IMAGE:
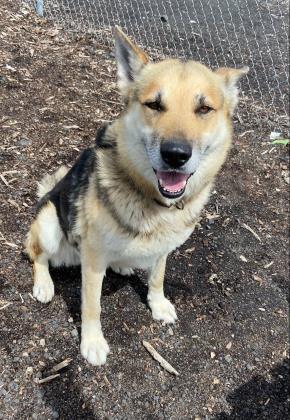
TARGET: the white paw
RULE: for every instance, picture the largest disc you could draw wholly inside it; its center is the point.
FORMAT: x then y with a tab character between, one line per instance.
124	271
95	351
162	310
43	290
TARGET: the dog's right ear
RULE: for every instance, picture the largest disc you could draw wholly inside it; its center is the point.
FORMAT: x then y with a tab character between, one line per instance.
130	60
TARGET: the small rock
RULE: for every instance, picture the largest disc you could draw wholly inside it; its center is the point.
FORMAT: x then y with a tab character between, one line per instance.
164	18
228	358
275	135
75	333
25	142
42	342
29	372
170	331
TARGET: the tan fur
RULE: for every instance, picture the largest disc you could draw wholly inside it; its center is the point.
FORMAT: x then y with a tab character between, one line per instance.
32	245
122	221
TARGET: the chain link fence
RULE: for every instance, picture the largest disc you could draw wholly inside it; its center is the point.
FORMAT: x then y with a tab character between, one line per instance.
215	32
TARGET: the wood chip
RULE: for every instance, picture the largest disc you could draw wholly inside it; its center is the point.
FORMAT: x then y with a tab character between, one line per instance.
252	232
229	345
72	127
189	250
269	264
61	365
159	358
47	379
258	279
12	245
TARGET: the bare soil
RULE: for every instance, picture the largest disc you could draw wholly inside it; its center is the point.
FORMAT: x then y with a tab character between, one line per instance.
229	286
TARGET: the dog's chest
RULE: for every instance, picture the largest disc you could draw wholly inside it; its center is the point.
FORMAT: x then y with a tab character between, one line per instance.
140	251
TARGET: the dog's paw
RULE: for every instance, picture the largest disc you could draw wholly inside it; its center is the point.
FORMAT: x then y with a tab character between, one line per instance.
43	290
95	351
162	310
124	271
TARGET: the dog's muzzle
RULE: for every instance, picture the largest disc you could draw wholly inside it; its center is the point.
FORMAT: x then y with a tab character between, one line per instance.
172	182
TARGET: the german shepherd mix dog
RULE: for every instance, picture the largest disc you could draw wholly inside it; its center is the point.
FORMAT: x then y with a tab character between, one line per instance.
135	196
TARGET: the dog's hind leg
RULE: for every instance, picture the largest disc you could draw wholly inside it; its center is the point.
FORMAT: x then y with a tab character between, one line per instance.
43	241
162	309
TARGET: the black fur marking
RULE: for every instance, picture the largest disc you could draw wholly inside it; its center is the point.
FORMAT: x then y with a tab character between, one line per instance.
67	191
104	141
104	196
124	56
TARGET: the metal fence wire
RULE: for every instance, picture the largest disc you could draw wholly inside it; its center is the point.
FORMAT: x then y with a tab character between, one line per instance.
215	32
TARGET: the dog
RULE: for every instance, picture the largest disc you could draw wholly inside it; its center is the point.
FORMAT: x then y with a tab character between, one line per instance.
136	194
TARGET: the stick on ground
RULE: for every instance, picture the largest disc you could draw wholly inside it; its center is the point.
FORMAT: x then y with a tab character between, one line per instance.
61	365
47	379
252	232
159	358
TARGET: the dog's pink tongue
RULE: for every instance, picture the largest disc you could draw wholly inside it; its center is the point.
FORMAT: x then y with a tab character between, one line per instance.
172	181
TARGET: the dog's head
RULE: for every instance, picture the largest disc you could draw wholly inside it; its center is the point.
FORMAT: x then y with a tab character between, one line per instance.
177	126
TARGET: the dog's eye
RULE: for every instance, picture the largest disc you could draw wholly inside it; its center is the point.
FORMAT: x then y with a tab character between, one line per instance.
204	109
155	105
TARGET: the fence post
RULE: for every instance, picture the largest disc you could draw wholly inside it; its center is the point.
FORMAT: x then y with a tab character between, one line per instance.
39	7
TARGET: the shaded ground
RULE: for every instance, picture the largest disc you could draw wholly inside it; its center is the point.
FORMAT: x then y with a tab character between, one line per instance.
229	288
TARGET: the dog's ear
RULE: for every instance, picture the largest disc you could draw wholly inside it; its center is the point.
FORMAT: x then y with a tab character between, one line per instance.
130	60
231	77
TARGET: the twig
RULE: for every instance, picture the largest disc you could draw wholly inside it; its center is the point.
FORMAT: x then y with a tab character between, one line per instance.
246	132
5	306
47	379
12	245
159	358
4	180
269	264
107	381
251	230
61	365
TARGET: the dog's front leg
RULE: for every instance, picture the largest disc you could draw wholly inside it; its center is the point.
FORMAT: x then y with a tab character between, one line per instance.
162	309
94	347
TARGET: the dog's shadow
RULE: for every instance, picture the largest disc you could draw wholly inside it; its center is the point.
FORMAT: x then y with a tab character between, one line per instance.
67	283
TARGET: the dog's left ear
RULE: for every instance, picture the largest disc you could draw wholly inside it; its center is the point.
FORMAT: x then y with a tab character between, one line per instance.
130	60
231	77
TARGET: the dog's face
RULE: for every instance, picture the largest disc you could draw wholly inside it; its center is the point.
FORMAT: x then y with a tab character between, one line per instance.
177	121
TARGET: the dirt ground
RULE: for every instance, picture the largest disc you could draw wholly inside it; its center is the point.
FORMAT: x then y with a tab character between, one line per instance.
229	283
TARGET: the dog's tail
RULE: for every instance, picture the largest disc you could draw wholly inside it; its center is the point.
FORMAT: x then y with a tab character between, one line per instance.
49	181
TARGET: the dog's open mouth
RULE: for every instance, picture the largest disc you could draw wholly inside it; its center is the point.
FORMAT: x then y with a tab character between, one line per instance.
172	184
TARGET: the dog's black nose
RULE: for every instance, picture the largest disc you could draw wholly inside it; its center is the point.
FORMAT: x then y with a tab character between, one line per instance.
174	153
